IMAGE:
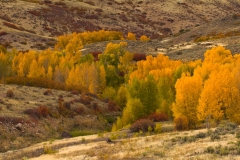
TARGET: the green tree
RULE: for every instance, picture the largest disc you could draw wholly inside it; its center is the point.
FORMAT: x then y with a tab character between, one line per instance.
145	90
121	97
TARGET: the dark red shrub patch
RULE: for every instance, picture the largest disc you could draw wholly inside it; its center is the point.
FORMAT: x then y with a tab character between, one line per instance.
2	33
10	25
85	99
47	92
35	13
43	110
95	55
79	110
37	113
157	117
9	93
96	108
142	125
36	82
13	120
112	106
139	57
75	92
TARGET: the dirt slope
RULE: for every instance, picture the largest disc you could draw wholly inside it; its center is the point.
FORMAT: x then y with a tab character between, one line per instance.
32	116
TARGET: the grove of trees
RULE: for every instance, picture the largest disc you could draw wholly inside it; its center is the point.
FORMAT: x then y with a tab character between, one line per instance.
200	91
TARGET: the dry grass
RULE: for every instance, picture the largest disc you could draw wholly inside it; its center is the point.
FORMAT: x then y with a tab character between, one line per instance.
159	146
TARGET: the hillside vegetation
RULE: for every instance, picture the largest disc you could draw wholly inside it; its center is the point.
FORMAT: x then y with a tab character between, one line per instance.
145	88
124	70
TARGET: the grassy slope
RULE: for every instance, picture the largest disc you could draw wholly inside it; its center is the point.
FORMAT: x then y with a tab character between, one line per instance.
196	144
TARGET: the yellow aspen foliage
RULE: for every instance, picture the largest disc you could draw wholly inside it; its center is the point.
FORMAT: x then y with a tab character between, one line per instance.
20	70
49	73
88	37
24	62
58	76
157	66
102	78
166	94
213	60
62	42
93	86
144	38
118	125
74	45
131	36
220	95
121	97
218	55
4	65
109	93
112	53
84	76
126	63
15	62
35	70
188	91
3	57
233	109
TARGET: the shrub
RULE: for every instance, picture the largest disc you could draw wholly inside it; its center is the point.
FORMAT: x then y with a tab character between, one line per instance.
43	110
48	150
144	38
157	117
210	149
201	135
215	136
139	57
181	123
13	120
158	128
36	82
84	99
96	108
2	33
79	110
142	125
238	134
9	93
64	108
37	113
112	106
74	92
47	92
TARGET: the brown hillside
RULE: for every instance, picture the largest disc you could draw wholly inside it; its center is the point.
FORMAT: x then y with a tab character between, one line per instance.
25	25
